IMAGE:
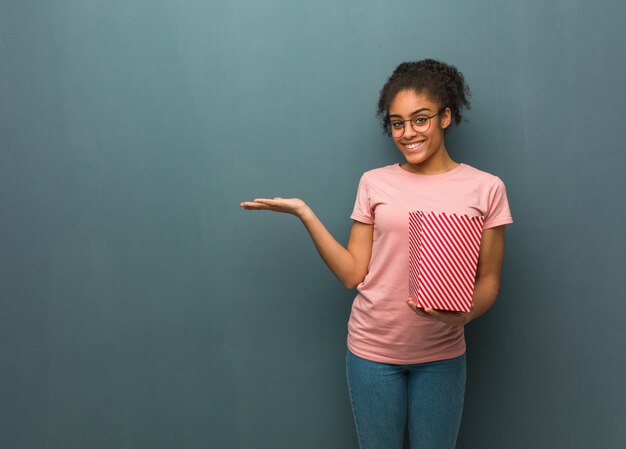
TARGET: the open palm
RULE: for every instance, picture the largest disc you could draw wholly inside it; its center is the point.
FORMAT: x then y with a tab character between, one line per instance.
294	206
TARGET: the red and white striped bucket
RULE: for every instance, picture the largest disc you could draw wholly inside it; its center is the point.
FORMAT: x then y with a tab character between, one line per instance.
443	258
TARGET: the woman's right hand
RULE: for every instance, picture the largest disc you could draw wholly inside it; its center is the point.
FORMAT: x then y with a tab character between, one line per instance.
293	206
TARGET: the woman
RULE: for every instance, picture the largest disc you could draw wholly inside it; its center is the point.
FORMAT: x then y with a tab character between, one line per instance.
404	363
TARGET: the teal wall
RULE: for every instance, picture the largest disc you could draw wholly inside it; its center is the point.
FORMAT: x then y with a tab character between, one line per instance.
140	307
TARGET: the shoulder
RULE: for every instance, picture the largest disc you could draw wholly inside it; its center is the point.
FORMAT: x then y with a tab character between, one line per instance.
387	169
474	172
482	177
379	173
493	198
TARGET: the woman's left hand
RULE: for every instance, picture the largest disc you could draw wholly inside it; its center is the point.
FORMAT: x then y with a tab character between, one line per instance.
451	318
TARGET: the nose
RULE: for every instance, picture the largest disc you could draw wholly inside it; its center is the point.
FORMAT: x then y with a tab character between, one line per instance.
408	130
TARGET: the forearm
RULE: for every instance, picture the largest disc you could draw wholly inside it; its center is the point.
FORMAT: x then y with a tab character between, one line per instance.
485	294
337	258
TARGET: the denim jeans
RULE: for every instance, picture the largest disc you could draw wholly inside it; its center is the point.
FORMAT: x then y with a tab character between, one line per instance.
385	396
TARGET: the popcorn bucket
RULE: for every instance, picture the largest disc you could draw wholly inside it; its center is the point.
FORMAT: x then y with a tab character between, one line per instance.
443	259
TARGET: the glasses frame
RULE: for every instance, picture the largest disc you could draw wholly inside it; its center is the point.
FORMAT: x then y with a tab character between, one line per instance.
391	128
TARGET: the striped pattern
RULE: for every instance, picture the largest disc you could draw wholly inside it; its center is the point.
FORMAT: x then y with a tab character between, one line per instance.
443	258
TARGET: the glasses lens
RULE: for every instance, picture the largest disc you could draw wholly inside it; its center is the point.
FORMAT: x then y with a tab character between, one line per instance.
395	131
420	124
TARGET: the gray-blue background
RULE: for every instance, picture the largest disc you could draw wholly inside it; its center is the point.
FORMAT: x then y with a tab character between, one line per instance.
140	307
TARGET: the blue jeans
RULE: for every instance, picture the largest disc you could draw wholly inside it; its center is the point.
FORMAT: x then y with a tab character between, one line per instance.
384	396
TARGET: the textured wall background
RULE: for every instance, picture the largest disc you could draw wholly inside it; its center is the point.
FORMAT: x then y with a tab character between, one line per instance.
140	307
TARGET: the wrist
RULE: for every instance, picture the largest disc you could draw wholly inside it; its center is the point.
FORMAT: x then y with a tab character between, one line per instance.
469	316
304	213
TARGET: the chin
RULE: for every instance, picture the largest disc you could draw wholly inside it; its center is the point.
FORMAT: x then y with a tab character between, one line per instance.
416	158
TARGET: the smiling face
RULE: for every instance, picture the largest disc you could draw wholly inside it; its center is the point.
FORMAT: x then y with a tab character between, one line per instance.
424	151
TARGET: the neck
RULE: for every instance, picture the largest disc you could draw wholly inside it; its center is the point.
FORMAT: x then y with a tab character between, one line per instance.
433	165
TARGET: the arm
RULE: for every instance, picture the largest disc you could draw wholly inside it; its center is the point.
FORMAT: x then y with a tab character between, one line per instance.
349	264
487	282
489	267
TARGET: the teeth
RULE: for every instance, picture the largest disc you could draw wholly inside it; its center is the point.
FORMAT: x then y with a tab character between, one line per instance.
413	146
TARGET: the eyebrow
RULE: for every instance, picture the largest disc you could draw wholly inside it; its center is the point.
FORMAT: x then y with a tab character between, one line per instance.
411	114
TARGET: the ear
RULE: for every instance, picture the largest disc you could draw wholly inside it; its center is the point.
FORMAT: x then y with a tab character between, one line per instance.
446	117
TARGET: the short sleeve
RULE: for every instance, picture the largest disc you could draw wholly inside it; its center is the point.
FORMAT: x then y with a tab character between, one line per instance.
362	210
498	212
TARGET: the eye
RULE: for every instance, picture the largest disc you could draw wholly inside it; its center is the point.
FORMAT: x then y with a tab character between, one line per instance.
397	124
420	120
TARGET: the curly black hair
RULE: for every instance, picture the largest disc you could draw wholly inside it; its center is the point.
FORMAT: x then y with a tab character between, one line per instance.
439	81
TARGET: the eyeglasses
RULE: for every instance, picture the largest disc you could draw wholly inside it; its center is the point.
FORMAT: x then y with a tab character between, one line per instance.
419	123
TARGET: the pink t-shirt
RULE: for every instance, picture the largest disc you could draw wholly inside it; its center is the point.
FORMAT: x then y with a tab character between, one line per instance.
382	328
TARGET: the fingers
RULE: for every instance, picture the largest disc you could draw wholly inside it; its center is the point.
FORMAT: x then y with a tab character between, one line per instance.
272	201
434	313
412	305
446	316
253	205
277	204
268	201
449	317
258	204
